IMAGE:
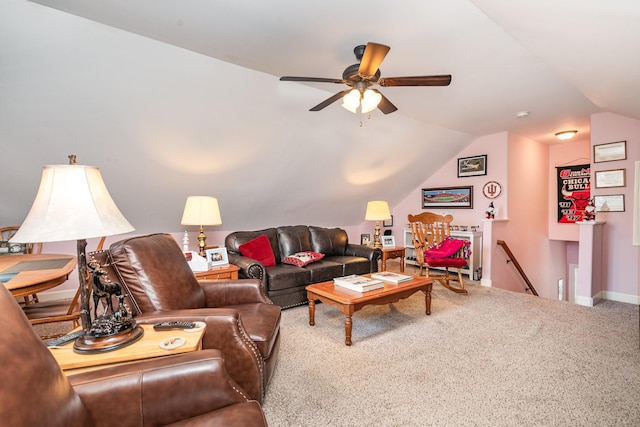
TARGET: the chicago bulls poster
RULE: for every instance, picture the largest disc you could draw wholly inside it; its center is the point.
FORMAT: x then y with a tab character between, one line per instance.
574	192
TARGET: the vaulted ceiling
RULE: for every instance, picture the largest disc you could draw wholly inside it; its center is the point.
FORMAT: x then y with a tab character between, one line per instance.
174	98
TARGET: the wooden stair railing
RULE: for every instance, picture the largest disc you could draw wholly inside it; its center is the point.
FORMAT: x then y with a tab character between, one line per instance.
516	264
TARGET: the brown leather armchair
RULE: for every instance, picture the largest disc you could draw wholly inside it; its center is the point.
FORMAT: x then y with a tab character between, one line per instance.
190	389
241	320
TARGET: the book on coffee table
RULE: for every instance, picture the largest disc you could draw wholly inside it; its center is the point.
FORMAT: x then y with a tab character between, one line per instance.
358	283
388	276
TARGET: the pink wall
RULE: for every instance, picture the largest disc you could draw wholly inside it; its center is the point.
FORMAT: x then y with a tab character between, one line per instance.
621	258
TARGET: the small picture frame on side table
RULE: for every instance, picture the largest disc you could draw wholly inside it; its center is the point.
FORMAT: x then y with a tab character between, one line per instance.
388	241
365	239
217	257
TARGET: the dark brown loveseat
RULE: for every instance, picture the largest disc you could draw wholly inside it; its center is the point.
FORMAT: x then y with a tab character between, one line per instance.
284	283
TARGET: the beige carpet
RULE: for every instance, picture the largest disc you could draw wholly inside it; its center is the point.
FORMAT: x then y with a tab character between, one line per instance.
489	358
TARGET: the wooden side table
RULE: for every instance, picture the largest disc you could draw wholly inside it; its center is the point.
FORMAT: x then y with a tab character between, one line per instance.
229	272
147	347
390	253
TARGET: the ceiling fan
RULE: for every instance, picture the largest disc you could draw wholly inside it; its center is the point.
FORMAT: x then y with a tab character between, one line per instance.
360	77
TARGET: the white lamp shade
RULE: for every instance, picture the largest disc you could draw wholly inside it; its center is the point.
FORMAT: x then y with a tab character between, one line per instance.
370	100
377	210
201	210
72	204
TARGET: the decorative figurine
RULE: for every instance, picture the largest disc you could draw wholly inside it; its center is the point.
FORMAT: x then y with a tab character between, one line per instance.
589	211
491	211
185	242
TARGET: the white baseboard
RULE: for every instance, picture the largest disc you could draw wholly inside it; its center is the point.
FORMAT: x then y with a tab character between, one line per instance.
485	282
616	296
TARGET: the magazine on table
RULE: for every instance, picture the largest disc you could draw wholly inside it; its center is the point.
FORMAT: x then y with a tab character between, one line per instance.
388	276
358	283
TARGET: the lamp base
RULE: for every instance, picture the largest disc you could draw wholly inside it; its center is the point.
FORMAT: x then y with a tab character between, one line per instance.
88	344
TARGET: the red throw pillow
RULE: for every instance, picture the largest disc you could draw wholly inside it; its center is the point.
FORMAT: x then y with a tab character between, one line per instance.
301	259
445	249
259	249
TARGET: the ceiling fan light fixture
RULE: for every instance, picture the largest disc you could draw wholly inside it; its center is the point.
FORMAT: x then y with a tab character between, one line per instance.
370	100
566	134
351	101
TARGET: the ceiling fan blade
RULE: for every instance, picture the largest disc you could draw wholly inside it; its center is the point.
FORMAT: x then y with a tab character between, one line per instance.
385	105
443	80
330	101
309	79
373	56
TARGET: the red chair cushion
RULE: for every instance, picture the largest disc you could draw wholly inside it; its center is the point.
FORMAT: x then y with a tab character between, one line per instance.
446	262
259	249
445	249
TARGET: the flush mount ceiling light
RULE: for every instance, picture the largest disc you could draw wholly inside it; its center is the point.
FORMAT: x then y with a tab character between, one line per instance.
522	114
566	134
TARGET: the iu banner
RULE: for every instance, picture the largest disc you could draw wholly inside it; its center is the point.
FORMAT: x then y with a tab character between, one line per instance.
574	191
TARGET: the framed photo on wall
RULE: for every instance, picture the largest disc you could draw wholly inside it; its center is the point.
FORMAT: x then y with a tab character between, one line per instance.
610	178
388	222
472	166
610	152
447	197
365	239
610	203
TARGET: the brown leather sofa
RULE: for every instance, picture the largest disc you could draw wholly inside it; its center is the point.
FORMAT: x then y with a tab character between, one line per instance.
191	389
285	284
241	320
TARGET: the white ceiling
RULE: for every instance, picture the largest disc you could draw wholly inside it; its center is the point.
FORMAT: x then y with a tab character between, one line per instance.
174	98
561	61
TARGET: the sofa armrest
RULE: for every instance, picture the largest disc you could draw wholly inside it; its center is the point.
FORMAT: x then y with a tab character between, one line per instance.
249	268
220	293
159	391
372	254
224	331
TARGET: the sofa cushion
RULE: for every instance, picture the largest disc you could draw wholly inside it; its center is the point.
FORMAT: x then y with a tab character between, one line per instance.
260	250
300	259
328	241
324	270
351	264
233	241
294	239
285	276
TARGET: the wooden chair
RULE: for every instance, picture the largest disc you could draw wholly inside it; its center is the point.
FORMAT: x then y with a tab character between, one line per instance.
7	233
431	237
57	311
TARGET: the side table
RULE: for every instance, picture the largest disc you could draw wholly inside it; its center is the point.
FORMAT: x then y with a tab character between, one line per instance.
390	253
147	347
227	272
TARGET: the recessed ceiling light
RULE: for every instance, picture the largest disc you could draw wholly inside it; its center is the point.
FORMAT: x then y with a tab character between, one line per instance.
522	114
566	134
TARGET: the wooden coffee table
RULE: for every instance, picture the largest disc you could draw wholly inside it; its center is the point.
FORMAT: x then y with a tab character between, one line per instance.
349	301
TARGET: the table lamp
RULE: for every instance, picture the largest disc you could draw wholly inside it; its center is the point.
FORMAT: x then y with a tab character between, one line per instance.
377	211
73	203
201	210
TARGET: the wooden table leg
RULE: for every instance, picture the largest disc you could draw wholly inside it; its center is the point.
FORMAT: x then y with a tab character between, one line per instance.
427	301
347	328
312	312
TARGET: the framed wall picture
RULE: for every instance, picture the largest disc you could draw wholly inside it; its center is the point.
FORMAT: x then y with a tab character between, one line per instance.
388	241
365	239
610	178
472	166
388	222
610	152
447	197
217	257
609	203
